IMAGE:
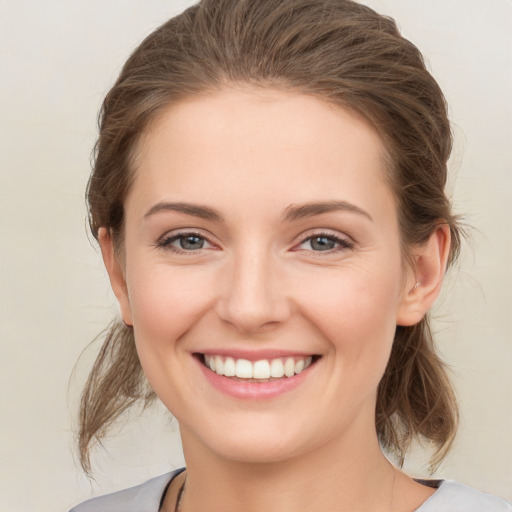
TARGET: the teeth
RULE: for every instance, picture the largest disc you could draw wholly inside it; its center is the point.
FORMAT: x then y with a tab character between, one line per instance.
289	367
263	369
276	368
229	367
219	365
243	369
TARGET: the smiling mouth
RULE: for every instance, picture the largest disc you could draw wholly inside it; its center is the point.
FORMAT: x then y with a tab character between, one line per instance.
264	370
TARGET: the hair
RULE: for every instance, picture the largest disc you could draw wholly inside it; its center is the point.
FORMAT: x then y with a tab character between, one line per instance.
341	52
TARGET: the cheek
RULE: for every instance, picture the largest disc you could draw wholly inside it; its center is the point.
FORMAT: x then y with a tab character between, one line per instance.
166	304
166	301
355	310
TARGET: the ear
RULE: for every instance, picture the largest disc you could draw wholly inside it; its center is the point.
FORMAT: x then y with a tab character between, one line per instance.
424	277
116	274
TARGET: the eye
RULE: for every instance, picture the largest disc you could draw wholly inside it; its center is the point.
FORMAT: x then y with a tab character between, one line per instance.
324	243
184	242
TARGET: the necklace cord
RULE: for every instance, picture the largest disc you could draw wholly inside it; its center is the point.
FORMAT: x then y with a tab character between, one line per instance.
179	499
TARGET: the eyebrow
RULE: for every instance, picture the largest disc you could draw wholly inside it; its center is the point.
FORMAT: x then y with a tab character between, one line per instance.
294	212
203	212
291	213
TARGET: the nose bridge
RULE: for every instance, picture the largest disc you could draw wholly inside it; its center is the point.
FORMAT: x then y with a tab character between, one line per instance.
253	297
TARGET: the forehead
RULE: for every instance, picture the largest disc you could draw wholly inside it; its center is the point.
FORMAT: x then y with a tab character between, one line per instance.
259	142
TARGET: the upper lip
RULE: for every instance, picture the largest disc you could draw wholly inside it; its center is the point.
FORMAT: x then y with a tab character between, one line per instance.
254	355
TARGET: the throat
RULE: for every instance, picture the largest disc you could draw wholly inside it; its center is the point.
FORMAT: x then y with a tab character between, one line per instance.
288	486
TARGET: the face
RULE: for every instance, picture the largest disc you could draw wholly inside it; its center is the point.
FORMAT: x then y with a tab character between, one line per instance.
261	238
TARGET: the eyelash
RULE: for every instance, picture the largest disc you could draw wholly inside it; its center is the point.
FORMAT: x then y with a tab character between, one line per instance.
343	243
166	242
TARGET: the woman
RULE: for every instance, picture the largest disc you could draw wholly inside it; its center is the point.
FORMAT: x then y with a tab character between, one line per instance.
268	195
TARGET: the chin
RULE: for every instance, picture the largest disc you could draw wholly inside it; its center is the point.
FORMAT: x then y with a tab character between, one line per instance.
258	442
264	451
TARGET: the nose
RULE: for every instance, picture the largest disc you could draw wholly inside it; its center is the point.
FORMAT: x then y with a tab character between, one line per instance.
253	297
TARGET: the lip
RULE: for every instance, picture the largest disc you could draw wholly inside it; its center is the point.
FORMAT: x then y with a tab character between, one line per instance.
253	390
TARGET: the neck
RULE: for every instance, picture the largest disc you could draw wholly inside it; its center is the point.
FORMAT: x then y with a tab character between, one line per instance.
335	476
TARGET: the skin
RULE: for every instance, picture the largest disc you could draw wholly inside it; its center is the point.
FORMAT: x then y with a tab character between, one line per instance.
260	282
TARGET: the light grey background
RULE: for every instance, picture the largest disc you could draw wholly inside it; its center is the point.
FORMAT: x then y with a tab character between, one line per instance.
57	60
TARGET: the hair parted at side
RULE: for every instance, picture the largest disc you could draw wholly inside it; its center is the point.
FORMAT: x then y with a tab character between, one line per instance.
339	51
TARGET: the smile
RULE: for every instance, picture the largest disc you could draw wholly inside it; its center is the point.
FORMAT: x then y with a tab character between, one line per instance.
261	370
250	375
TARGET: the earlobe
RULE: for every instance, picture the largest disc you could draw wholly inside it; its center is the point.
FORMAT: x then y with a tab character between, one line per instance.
115	273
425	277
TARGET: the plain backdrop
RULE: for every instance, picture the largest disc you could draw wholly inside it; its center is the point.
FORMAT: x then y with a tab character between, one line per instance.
58	58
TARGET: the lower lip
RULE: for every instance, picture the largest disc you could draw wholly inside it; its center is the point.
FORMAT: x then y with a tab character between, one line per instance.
253	390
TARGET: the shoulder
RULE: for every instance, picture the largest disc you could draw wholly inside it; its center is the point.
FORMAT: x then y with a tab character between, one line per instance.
454	497
141	498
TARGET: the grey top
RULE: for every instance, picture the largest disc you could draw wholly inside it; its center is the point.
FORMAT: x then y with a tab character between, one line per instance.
449	497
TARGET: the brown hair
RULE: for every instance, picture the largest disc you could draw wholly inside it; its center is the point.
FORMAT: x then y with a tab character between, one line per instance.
342	52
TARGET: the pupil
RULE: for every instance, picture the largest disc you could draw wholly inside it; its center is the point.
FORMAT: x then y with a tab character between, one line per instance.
322	243
191	242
